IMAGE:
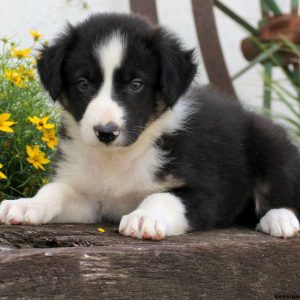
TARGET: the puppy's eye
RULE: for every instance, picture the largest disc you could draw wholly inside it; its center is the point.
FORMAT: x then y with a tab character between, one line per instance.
136	85
83	84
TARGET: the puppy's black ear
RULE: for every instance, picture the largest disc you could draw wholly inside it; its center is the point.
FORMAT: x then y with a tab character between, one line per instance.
50	64
177	67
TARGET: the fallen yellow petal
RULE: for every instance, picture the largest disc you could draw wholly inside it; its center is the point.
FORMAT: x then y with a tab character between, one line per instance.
101	230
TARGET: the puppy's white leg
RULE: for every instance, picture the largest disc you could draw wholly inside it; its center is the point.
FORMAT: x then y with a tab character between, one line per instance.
159	215
279	222
55	202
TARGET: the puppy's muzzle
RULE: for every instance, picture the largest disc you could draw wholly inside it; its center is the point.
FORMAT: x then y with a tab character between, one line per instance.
107	133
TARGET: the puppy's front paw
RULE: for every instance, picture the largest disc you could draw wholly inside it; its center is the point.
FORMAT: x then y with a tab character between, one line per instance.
280	222
143	225
22	211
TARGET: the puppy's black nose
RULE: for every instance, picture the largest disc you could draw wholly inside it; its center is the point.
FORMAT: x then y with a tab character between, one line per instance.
107	133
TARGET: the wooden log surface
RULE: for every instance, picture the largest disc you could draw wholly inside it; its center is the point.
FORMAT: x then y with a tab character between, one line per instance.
77	262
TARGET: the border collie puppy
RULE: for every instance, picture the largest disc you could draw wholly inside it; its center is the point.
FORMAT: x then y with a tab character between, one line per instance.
143	146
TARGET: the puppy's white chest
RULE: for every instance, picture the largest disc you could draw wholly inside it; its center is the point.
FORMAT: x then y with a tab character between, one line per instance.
117	181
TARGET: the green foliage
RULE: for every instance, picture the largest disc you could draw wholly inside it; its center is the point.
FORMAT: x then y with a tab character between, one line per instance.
22	96
288	94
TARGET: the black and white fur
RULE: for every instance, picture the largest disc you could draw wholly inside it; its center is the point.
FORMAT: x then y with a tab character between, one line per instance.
143	146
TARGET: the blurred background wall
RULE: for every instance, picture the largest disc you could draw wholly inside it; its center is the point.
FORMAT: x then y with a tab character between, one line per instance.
49	17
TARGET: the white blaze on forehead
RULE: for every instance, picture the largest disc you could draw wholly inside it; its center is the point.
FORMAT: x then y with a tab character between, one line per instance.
110	57
103	109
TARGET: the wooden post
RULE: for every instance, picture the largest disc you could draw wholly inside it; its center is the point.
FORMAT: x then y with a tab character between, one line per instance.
211	48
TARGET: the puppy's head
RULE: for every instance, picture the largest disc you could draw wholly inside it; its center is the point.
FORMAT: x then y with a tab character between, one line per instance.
115	74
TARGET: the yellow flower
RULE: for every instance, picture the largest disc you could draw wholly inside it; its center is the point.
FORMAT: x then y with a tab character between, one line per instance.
50	138
5	124
14	76
36	157
19	76
2	175
35	34
20	53
41	123
101	230
27	74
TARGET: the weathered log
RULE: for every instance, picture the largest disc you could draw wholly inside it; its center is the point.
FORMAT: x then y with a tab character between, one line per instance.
78	262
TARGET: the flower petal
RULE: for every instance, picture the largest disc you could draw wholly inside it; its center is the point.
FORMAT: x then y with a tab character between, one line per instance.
29	151
45	119
5	116
9	123
41	166
45	161
2	176
49	126
29	159
6	129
